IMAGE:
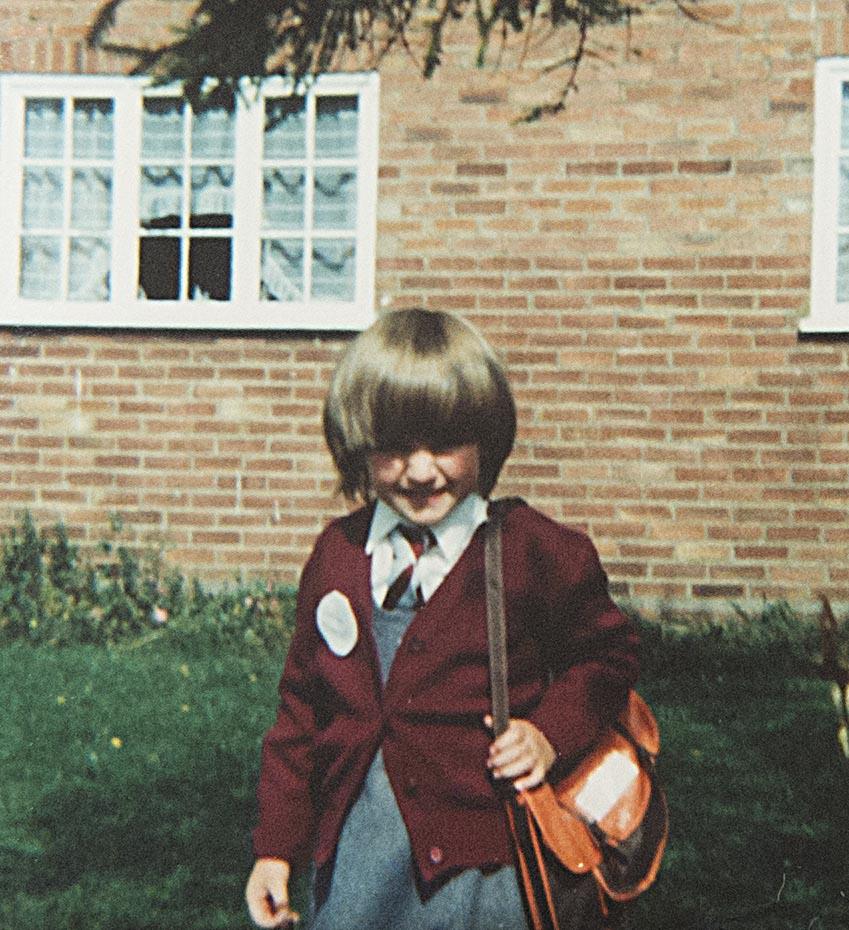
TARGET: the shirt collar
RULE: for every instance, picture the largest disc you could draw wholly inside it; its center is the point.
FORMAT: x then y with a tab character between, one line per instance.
452	533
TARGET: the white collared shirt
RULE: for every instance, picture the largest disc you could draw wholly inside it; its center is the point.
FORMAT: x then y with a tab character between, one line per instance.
453	533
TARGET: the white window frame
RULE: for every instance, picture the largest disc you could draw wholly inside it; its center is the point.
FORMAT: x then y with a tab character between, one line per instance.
245	309
827	314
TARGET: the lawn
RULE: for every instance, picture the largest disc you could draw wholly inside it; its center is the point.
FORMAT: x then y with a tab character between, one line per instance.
126	785
127	779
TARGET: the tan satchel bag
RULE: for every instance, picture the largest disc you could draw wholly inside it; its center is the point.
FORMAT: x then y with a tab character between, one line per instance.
607	816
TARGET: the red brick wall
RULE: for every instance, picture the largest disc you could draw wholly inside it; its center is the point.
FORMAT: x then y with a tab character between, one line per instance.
211	446
641	260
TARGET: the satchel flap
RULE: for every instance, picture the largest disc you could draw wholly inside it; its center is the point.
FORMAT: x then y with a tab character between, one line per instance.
608	788
640	722
562	832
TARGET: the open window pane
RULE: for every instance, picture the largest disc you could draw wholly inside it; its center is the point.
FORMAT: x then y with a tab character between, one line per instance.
159	268
209	268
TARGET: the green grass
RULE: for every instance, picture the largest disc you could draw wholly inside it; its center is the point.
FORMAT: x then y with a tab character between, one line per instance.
756	784
153	831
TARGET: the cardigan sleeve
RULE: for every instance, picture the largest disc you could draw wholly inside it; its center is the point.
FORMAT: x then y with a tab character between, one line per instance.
285	808
590	645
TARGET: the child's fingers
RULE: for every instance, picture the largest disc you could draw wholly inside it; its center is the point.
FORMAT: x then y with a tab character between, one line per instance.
264	911
270	914
521	753
511	754
533	779
282	914
507	748
267	895
522	765
518	737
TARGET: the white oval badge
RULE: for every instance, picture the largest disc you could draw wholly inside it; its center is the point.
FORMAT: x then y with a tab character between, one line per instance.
337	623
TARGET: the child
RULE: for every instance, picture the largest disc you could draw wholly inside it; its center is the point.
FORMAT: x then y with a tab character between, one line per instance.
380	766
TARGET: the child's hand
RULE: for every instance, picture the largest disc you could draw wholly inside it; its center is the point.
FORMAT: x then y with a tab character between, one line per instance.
522	753
267	894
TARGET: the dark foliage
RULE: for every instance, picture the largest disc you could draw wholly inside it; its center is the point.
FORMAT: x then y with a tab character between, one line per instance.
226	41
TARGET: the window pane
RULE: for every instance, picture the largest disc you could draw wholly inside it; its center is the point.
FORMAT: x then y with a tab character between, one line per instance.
212	197
209	268
282	272
159	268
213	133
40	267
283	198
843	201
335	127
44	128
335	204
91	198
43	198
842	268
93	129
162	128
285	128
161	198
88	269
333	269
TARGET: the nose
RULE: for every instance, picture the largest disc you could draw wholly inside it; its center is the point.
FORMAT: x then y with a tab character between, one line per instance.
421	466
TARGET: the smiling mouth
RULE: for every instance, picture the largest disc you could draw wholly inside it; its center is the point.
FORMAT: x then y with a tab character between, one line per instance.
423	497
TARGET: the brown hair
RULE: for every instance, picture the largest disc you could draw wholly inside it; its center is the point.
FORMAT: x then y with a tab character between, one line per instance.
417	376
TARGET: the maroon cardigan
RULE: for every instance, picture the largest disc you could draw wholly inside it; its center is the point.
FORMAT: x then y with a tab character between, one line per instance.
572	658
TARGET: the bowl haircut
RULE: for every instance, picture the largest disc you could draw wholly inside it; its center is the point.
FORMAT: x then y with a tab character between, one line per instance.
417	377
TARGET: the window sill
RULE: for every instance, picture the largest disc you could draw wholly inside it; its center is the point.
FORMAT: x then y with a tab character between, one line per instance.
200	315
825	325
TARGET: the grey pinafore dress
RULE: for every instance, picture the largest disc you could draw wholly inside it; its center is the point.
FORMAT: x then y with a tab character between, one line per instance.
373	885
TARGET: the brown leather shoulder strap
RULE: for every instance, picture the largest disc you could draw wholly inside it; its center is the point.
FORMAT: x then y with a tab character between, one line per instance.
496	622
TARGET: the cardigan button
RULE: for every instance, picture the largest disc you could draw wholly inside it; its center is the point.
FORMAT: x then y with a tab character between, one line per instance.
411	786
417	646
436	855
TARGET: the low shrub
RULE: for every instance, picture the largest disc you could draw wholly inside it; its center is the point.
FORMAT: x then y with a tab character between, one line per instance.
776	641
51	594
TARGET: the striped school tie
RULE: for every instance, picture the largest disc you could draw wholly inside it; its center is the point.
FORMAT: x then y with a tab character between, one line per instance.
419	538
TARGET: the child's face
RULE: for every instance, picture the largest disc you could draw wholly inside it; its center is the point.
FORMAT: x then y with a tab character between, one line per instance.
425	485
